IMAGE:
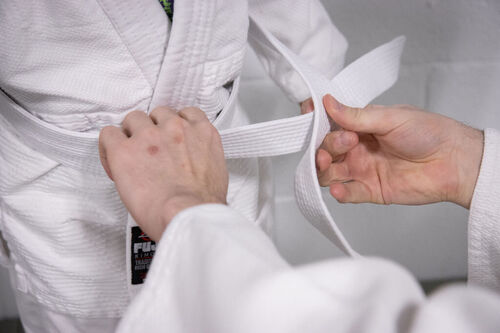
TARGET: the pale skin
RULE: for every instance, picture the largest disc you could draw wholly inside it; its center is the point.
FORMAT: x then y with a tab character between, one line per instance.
164	163
398	155
169	161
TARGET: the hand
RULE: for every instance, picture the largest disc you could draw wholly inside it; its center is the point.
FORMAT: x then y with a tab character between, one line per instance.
164	163
398	154
307	106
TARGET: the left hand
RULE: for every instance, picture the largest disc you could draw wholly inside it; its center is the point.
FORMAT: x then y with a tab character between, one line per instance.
398	154
164	163
307	106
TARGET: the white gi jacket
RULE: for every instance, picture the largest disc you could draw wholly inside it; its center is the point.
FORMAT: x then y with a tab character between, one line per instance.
215	271
83	65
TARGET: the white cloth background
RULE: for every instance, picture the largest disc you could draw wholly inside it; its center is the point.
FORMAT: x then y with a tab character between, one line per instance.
451	65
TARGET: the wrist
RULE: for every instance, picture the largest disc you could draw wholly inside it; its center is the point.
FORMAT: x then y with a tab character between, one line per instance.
469	153
179	203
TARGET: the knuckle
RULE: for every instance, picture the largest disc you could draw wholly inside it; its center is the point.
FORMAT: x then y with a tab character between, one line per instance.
358	113
133	114
333	173
106	131
150	133
192	111
342	171
175	127
175	123
160	109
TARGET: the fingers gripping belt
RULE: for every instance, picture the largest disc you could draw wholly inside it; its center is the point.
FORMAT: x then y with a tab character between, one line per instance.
356	86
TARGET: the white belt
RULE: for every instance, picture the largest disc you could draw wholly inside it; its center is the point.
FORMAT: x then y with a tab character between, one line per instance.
356	86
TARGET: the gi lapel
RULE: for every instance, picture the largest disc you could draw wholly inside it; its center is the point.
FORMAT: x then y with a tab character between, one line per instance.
182	69
143	27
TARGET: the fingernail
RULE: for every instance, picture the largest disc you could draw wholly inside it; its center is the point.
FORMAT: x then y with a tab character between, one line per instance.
338	106
335	104
345	139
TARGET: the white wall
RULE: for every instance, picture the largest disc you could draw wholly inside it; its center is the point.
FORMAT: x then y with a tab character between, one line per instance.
451	65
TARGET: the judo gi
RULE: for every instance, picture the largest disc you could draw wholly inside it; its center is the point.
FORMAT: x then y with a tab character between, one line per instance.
77	67
215	271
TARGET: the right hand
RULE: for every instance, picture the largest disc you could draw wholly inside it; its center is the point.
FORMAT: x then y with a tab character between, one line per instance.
398	154
164	163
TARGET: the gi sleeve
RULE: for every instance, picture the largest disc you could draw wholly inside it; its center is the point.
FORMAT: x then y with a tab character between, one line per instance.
305	27
484	218
214	271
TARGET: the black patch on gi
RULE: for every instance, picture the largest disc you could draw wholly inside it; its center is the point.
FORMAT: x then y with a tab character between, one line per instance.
141	252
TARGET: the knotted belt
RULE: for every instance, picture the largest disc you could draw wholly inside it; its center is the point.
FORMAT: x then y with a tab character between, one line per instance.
356	86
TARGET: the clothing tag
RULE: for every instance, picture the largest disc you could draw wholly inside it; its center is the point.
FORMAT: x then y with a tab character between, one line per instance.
142	250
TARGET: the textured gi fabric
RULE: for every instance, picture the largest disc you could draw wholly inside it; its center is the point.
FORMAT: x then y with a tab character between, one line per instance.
66	63
99	61
80	68
216	272
356	85
484	219
324	50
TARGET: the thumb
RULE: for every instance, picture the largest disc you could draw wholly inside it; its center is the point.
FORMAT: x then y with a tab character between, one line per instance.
371	119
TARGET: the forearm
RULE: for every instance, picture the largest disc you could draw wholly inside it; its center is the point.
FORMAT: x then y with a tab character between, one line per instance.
207	259
214	271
